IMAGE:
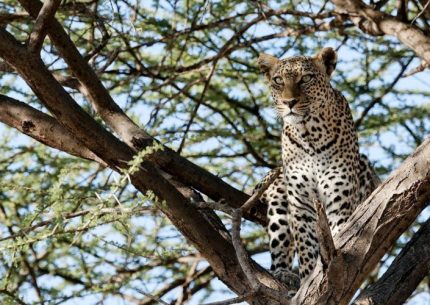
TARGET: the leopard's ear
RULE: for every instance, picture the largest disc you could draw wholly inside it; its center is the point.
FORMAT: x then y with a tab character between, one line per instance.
328	58
267	63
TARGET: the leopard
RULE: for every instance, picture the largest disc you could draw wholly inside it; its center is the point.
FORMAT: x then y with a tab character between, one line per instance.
320	161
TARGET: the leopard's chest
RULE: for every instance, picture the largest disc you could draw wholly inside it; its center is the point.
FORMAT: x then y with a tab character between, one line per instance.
320	140
320	159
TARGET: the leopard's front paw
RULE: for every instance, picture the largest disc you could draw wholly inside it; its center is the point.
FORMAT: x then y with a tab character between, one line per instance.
290	278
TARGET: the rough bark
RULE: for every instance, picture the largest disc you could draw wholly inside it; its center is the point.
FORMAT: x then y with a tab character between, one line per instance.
42	128
208	237
378	23
38	34
132	134
325	238
371	232
409	268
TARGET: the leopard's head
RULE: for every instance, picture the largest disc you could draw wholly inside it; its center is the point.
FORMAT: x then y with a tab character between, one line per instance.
299	85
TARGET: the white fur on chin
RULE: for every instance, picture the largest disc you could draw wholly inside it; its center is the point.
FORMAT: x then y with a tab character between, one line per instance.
292	119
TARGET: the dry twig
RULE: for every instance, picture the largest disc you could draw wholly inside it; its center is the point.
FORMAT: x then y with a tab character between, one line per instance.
254	198
241	254
420	13
99	212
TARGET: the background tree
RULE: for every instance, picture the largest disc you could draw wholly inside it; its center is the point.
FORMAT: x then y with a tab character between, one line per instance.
153	107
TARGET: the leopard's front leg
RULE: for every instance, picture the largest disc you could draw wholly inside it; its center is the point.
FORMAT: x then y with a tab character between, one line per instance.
281	243
301	216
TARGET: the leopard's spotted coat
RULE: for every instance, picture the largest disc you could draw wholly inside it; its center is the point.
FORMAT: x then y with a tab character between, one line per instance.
320	159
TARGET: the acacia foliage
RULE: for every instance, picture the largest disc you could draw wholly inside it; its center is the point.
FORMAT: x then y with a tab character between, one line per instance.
186	71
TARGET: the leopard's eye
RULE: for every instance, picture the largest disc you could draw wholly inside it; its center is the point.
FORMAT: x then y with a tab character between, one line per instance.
306	78
278	80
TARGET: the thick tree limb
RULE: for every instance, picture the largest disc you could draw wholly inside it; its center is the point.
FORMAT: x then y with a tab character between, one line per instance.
42	128
58	102
377	23
208	237
129	132
101	101
372	230
6	18
409	268
4	67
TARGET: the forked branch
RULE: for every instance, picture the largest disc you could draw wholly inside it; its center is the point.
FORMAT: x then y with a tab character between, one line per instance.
38	34
400	280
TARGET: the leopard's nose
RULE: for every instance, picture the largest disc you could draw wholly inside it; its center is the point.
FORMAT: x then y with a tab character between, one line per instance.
290	102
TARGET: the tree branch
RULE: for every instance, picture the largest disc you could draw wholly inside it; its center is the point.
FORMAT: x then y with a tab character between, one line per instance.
409	268
388	89
99	212
129	132
207	236
372	229
236	300
254	198
59	102
101	101
6	18
240	251
327	248
38	33
421	67
377	23
259	289
42	128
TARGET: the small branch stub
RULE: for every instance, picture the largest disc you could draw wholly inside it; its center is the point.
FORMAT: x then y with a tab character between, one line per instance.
254	198
421	67
325	238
